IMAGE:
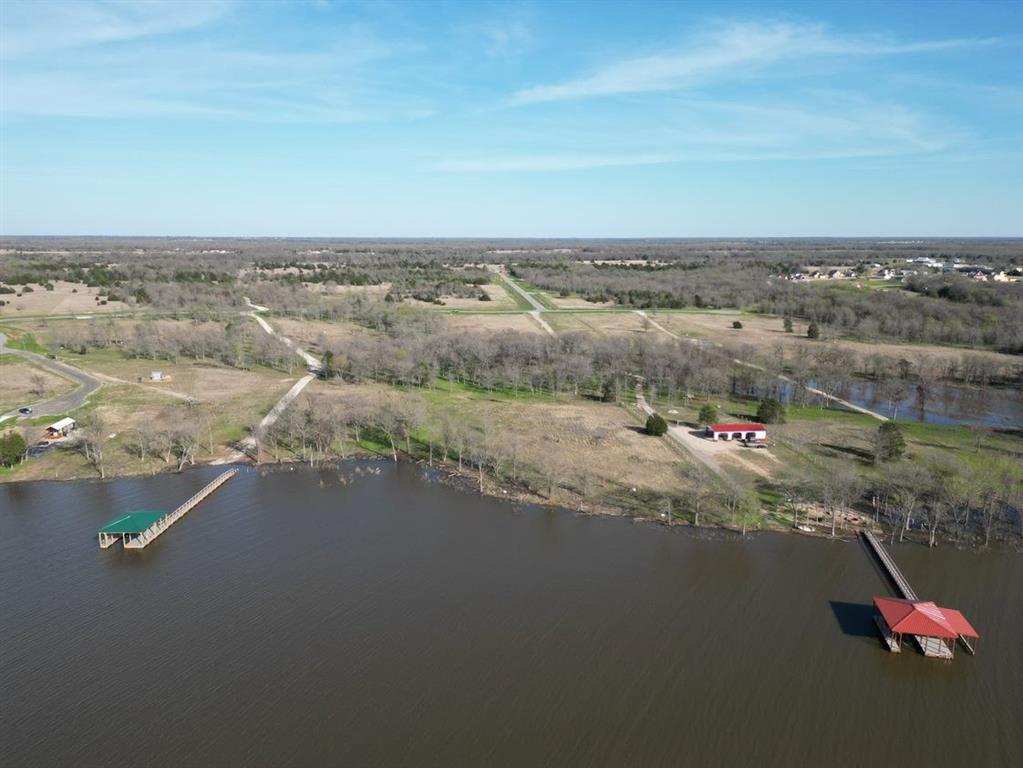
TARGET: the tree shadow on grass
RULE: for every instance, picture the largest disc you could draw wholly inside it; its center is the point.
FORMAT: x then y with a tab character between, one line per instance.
867	457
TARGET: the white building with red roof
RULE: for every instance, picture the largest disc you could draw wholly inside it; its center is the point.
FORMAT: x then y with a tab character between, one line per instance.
748	431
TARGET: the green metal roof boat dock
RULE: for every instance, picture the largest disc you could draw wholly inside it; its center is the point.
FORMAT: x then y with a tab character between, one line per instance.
133	522
137	529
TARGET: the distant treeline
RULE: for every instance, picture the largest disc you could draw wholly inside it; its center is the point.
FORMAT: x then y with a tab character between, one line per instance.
204	275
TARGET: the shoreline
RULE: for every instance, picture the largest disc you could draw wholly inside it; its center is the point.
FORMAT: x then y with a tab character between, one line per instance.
467	482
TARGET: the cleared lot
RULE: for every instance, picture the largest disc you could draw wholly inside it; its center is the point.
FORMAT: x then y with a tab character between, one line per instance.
592	451
64	299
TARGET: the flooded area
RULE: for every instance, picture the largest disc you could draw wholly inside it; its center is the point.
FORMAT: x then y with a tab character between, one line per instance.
948	405
370	615
945	404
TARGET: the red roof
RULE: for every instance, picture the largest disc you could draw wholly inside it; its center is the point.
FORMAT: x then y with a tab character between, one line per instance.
738	428
909	617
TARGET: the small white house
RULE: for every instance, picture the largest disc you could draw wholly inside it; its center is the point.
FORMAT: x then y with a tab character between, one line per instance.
746	431
156	376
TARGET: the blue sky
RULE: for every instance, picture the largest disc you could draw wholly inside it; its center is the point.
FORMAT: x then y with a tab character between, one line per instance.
511	119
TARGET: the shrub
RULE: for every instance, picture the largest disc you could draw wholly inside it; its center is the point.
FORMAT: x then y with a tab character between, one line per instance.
608	393
737	325
12	448
771	411
788	325
655	425
707	414
813	332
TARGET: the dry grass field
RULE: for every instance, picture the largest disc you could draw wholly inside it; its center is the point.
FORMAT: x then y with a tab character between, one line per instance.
577	302
599	323
492	323
765	333
313	334
593	451
64	299
17	387
499	299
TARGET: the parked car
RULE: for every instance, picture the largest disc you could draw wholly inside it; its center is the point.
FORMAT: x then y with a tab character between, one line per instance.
25	411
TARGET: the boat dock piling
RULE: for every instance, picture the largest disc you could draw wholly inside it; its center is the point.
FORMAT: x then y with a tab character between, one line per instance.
138	529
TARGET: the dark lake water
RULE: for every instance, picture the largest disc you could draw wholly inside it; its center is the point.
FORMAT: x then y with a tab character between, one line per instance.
293	620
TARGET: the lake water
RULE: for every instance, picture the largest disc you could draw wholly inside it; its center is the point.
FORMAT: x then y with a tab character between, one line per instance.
343	617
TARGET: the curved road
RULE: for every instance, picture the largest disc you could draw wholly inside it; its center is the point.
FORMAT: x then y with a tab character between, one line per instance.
62	403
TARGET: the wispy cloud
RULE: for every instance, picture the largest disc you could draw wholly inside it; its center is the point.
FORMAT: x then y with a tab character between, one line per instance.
119	69
822	125
550	162
35	26
506	37
728	50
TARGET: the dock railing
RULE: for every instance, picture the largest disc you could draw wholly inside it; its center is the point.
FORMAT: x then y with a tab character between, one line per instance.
152	532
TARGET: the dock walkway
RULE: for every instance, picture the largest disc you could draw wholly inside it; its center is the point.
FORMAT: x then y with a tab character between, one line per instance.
148	526
890	568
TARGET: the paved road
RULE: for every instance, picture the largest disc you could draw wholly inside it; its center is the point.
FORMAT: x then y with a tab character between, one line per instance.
536	305
73	400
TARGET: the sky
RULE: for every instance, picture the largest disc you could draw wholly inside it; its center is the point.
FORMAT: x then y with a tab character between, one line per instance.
532	119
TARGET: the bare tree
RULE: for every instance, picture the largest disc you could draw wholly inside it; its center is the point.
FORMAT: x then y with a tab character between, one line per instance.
386	424
939	495
93	438
140	442
185	441
38	384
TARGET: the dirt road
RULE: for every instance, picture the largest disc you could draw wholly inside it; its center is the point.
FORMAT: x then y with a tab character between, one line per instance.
249	445
311	361
708	452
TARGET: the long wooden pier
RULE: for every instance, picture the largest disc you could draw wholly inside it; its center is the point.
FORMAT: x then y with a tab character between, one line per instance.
902	586
152	525
889	566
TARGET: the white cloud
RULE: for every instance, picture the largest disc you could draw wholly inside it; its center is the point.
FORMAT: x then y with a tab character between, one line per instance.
35	26
727	50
